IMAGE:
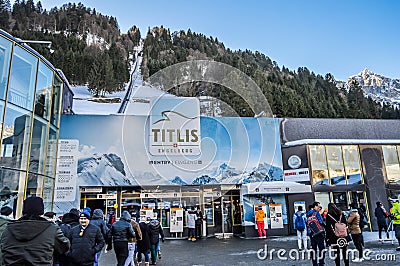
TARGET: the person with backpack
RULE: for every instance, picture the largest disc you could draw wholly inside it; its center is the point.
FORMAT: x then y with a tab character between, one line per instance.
355	230
300	222
337	236
315	227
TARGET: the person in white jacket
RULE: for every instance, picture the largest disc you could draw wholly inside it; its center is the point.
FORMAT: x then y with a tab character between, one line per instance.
191	220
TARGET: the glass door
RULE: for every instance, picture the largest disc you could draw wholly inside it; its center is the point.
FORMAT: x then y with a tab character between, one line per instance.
227	214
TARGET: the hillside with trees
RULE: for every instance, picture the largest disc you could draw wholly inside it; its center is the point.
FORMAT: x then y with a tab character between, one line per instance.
90	49
300	93
88	46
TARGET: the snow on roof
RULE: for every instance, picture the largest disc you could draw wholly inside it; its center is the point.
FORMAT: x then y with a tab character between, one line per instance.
340	141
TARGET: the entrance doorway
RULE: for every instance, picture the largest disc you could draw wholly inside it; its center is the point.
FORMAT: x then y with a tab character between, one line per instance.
223	222
94	204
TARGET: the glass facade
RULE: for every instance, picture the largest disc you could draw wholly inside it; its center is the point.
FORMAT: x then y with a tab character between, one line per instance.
335	165
391	160
30	102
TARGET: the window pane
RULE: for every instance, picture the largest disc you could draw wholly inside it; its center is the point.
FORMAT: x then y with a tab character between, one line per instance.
391	163
5	56
51	152
43	91
16	136
318	165
340	200
38	146
10	181
56	102
323	198
1	114
23	79
335	164
35	185
48	193
352	164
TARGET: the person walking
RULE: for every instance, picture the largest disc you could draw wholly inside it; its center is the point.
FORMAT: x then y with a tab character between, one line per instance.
355	230
143	244
32	240
191	221
199	222
121	232
335	215
300	224
260	215
86	240
155	230
318	238
132	242
381	215
395	212
98	220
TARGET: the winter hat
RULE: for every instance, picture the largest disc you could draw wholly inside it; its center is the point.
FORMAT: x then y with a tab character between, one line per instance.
33	206
5	210
74	212
89	210
85	213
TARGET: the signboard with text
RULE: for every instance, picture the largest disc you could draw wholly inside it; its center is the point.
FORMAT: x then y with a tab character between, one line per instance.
175	126
66	175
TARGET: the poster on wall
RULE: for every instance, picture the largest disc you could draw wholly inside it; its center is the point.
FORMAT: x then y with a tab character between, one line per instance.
66	175
146	214
264	208
275	211
176	221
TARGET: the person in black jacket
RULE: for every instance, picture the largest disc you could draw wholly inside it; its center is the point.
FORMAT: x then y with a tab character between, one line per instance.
338	244
143	245
69	220
155	230
381	215
121	232
86	240
32	240
98	220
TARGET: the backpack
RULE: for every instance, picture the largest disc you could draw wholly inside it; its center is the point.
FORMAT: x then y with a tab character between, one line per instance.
314	225
340	229
299	222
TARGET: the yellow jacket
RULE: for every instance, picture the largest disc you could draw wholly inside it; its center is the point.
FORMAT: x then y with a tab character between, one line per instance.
260	215
396	212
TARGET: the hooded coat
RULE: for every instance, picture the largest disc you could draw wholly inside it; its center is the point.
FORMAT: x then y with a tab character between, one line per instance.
98	220
155	230
122	230
32	241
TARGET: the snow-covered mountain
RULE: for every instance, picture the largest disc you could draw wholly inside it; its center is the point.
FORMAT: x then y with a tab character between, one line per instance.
263	172
204	179
107	169
178	181
378	87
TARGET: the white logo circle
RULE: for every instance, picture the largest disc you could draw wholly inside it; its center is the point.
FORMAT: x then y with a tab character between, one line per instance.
294	161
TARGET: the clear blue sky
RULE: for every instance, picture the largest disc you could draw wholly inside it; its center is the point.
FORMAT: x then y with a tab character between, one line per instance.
341	37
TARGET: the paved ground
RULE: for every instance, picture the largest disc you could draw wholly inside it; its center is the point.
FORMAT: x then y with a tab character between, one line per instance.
237	251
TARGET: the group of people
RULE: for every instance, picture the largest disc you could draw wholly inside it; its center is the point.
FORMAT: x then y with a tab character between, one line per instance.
194	222
336	230
78	239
